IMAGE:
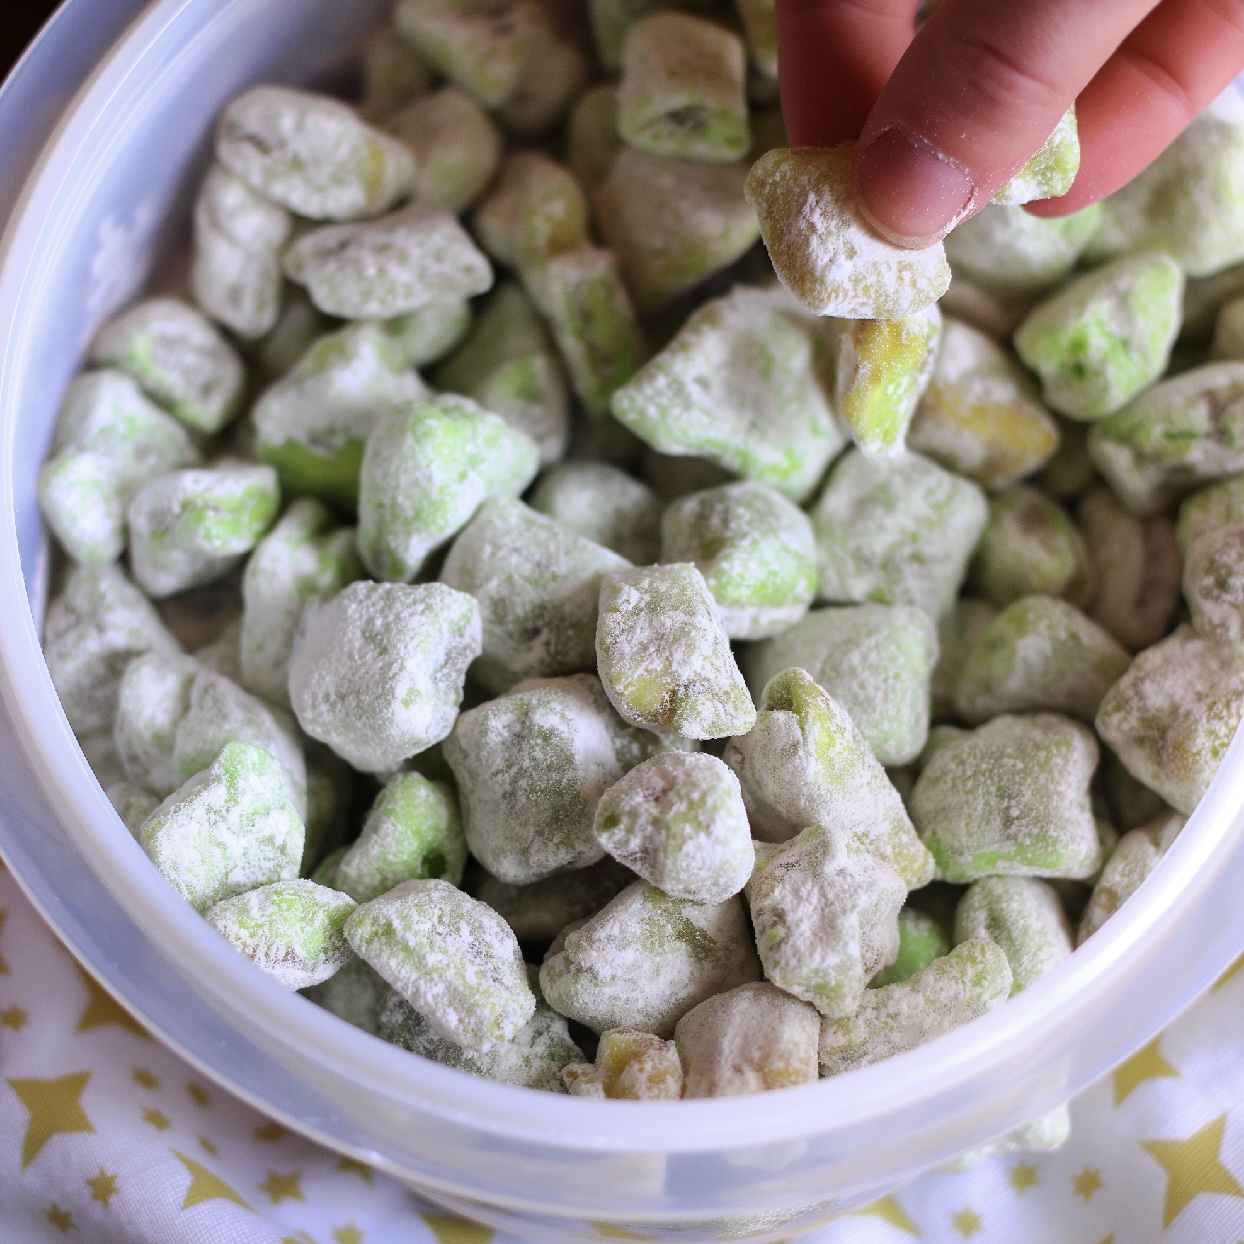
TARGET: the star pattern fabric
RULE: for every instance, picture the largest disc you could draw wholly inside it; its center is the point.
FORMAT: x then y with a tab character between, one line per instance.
107	1137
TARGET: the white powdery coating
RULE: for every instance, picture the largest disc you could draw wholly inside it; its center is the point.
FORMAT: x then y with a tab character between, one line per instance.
152	699
605	505
633	1066
452	958
1137	855
1214	584
1024	916
1049	172
1219	505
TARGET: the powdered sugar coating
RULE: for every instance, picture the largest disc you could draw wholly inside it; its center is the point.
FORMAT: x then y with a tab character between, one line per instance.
1137	855
1214	584
605	505
1050	170
1024	916
630	1065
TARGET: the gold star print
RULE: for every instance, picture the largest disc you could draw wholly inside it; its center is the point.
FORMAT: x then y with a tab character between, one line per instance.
967	1222
1146	1064
1086	1183
270	1133
4	967
103	1187
145	1078
608	1231
1193	1166
1022	1177
61	1219
457	1231
283	1187
349	1234
351	1167
198	1094
207	1146
1236	967
54	1108
14	1018
889	1210
204	1186
157	1120
1109	1239
101	1008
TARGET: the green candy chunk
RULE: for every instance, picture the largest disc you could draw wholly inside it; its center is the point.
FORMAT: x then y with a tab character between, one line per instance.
1049	172
301	557
290	929
874	660
592	138
1219	505
631	1066
178	357
957	633
664	656
805	763
1105	336
109	441
191	527
971	980
896	531
1030	547
453	959
605	505
1022	915
312	154
1011	799
377	671
384	268
1172	716
426	471
760	26
354	993
1137	855
1214	584
740	386
228	830
920	941
537	912
297	329
536	210
430	333
133	804
412	832
825	910
646	959
538	587
755	550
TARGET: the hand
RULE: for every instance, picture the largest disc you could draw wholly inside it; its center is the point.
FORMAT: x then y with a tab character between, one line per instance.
945	118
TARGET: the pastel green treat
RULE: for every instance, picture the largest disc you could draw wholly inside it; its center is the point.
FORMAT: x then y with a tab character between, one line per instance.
178	357
1214	584
190	527
664	656
1011	799
377	671
1024	916
825	910
823	250
1182	433
380	269
355	993
540	910
229	829
312	154
631	1066
132	804
760	26
1105	336
602	504
896	531
426	335
921	940
755	550
109	441
1172	716
453	959
592	138
971	980
740	386
1219	505
290	929
1228	342
538	587
874	660
1049	172
301	557
534	211
980	415
393	73
957	633
1137	855
297	329
805	763
646	959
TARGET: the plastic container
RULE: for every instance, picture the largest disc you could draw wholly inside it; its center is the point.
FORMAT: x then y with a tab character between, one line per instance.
106	200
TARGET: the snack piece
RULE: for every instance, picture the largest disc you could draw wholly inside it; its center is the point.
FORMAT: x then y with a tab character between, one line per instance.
1024	916
605	505
823	251
430	333
1049	172
229	829
1214	584
972	979
957	633
190	527
664	657
454	960
377	671
290	929
354	993
631	1066
178	357
646	959
393	73
755	1037
897	531
538	912
109	441
1137	855
535	210
312	154
592	138
921	940
1219	505
1011	799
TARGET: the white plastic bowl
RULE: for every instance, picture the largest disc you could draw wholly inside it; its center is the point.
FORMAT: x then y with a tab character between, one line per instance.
106	200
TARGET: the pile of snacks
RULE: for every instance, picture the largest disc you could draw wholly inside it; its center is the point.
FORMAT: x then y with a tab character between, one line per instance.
509	615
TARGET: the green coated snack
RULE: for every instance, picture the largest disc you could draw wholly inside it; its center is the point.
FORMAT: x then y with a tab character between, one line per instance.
290	929
453	959
646	959
1049	172
377	671
825	910
664	657
538	587
354	993
1011	799
592	138
755	550
1106	336
605	505
921	940
1213	584
805	763
178	357
957	633
426	335
1022	915
190	527
971	980
630	1066
874	660
539	911
1219	505
534	212
896	531
228	830
393	74
425	472
109	441
1137	855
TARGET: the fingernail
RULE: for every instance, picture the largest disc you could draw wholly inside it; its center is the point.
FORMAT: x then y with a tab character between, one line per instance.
910	193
